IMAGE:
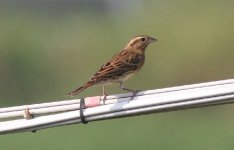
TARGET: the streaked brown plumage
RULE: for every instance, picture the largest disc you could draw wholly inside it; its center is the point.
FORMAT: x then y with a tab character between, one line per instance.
121	66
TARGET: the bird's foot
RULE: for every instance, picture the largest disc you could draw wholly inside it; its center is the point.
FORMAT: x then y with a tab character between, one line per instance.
104	99
134	93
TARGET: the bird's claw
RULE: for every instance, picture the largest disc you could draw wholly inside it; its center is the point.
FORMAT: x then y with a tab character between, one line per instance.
134	93
104	99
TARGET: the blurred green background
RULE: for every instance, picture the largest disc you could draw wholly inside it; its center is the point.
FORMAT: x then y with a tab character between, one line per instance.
48	48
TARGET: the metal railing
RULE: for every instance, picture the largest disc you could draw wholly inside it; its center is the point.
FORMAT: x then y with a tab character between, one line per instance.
67	112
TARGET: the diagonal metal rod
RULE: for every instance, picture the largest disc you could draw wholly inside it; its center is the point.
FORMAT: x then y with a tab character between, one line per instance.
145	102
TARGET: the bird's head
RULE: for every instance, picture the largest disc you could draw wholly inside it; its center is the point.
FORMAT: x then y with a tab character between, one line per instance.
140	42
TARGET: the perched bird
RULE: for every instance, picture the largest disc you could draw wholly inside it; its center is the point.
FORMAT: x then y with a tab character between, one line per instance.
121	66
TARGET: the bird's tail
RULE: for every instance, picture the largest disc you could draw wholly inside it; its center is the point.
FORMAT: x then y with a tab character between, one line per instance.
80	89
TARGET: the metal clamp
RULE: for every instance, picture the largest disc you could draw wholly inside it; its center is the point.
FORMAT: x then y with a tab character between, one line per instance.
82	106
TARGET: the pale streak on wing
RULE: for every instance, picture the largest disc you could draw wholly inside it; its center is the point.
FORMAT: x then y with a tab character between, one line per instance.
122	64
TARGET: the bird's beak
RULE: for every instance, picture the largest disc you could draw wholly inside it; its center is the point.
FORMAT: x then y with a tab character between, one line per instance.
152	40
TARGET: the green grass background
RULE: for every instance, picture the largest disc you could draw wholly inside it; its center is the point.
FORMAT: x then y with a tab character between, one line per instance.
48	48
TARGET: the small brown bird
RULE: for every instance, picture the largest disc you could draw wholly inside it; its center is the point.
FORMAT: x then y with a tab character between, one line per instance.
121	66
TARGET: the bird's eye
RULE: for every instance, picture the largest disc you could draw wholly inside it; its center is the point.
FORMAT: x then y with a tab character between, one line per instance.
142	39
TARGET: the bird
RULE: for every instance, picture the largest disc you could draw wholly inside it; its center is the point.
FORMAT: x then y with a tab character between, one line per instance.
121	66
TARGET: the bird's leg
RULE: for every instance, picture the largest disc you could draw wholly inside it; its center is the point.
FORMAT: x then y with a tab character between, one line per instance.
134	92
104	94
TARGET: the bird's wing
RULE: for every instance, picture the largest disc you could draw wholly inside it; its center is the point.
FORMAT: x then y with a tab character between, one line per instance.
122	64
